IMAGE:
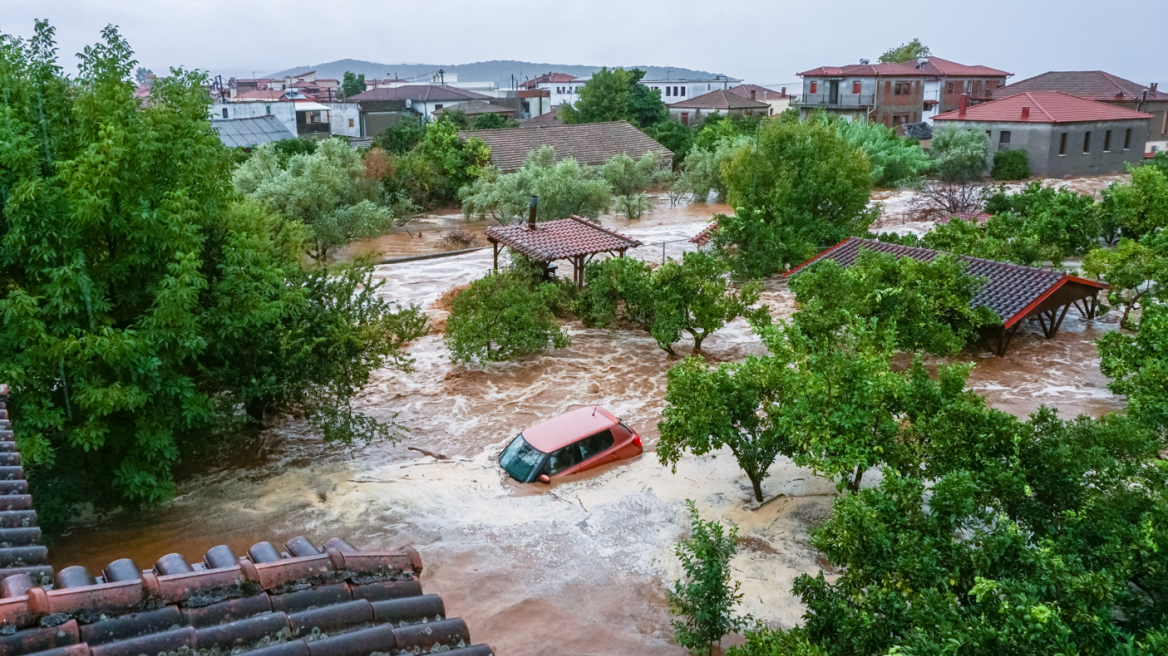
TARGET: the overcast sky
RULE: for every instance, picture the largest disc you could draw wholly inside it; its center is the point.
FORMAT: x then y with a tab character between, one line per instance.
762	41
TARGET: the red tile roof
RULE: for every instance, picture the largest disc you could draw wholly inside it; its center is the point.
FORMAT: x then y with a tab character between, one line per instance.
548	118
760	93
306	601
720	99
420	93
707	233
1044	107
938	67
865	70
1011	290
547	78
557	240
590	144
1096	85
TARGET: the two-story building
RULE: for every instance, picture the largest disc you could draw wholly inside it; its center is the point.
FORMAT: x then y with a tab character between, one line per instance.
564	89
947	81
1104	87
892	94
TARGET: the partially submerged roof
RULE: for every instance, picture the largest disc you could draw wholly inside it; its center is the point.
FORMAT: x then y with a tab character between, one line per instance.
476	108
558	432
588	143
420	93
938	67
864	70
720	99
332	600
1043	107
1014	292
560	239
249	132
1096	85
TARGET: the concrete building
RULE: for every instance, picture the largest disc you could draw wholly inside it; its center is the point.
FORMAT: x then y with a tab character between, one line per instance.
727	103
423	99
302	118
892	94
947	81
1062	135
1104	87
779	100
565	88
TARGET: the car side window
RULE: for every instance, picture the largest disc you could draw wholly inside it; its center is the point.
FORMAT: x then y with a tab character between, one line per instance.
564	459
597	444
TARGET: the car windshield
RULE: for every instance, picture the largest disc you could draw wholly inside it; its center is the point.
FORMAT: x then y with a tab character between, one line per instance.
520	459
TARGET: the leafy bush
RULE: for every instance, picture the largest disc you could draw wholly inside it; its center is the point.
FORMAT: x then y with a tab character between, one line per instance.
673	135
756	247
502	316
960	155
895	161
632	207
402	137
564	189
493	121
616	95
1139	207
704	167
1138	368
1011	165
706	597
1133	269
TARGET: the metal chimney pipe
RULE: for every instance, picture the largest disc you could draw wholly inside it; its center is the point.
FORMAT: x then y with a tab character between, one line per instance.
531	213
963	105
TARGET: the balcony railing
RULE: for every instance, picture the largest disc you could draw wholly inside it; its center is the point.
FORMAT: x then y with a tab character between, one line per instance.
841	100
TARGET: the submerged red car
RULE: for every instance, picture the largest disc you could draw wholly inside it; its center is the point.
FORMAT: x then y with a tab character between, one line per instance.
573	442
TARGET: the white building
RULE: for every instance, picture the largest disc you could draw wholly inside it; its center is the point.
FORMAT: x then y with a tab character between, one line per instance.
302	118
564	88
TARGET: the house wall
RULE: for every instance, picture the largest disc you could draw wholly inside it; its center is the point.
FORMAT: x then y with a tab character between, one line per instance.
854	106
284	111
344	119
696	116
953	87
1042	142
895	109
1158	125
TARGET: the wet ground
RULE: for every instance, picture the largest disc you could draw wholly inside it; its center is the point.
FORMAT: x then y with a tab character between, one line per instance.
582	564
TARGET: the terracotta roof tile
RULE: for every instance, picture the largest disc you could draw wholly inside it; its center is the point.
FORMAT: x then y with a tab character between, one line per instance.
760	93
560	239
943	67
707	233
720	99
420	93
1043	107
865	70
1096	85
588	143
548	78
304	600
1010	290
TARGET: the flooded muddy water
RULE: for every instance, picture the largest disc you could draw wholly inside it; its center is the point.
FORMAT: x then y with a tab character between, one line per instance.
576	567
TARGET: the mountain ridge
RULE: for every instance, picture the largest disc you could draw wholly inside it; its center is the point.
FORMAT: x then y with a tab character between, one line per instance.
499	70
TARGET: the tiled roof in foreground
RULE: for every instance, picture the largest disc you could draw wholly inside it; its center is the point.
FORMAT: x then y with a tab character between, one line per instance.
331	600
557	240
1010	290
590	144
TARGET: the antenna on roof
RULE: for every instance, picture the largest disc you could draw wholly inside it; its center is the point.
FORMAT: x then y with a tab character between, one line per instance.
593	410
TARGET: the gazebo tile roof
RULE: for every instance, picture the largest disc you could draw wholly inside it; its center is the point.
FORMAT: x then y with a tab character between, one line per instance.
560	239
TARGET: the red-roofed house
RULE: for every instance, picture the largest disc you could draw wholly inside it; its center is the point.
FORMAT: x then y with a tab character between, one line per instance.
778	100
948	81
1063	135
727	103
892	94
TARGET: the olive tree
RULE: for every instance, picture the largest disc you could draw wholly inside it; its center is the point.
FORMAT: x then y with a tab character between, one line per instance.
503	316
564	188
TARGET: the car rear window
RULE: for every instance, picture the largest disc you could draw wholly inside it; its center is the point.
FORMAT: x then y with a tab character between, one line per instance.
520	459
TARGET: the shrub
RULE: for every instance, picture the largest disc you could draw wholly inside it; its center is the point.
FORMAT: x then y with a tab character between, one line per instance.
960	155
564	189
705	598
503	317
632	207
1011	165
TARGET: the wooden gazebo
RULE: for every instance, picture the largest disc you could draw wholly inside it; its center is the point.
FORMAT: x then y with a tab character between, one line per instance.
1015	292
575	239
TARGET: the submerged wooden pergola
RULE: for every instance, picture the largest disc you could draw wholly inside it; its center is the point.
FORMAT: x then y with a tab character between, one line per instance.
575	239
1017	293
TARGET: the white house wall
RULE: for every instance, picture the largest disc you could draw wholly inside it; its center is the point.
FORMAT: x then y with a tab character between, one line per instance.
344	119
284	111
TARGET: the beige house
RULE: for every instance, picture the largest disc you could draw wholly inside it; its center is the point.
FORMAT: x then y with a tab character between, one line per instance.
778	100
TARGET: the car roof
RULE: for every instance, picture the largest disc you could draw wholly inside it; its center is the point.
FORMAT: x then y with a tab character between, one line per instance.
560	431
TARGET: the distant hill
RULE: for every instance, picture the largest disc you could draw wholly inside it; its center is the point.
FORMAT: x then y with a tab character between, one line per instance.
491	71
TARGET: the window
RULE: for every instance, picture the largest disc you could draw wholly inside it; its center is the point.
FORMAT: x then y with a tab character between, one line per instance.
597	444
856	87
813	87
268	109
683	91
1004	137
1126	138
224	112
1107	141
1086	143
685	118
1063	145
668	90
576	453
949	88
350	122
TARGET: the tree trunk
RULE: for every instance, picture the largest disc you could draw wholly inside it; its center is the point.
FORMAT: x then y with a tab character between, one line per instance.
854	483
757	483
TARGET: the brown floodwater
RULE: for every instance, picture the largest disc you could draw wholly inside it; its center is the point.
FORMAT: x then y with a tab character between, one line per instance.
581	565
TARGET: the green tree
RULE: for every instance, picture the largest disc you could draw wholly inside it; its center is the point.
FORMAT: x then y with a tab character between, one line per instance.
1011	165
352	84
143	301
564	189
1133	269
502	316
738	406
905	52
142	75
928	303
1139	207
402	137
327	191
757	246
616	95
629	179
493	121
706	597
1138	368
960	155
895	161
705	166
674	136
1060	219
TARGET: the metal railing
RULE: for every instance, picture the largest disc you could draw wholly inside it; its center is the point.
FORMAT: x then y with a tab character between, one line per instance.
841	100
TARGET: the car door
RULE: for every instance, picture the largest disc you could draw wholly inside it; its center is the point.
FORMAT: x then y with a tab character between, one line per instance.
595	449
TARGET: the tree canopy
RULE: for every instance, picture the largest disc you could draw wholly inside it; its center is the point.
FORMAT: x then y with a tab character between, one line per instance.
352	84
564	188
503	316
905	52
616	95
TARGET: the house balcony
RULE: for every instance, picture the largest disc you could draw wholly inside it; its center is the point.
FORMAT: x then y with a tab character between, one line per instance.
840	101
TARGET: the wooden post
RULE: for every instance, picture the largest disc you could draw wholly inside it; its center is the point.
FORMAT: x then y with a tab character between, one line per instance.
495	248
